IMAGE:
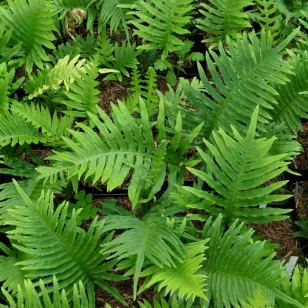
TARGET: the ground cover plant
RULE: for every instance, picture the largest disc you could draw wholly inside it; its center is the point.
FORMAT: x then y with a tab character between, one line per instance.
153	153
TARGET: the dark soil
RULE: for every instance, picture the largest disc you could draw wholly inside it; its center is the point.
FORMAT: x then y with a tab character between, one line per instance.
300	191
301	161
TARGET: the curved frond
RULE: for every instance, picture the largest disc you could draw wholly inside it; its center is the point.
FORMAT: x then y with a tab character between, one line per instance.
184	281
40	117
120	147
32	24
292	100
243	78
15	130
222	18
29	297
237	170
153	241
158	22
52	78
76	253
236	268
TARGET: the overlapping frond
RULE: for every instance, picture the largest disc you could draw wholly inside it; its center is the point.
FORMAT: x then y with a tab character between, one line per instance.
158	22
76	253
222	18
29	297
15	130
243	78
40	117
236	268
151	241
33	25
237	169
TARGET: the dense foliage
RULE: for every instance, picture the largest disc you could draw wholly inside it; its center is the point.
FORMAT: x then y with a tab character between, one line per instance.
213	91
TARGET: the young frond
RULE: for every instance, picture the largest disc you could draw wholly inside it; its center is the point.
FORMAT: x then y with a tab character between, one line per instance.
53	126
52	78
29	297
237	170
185	280
62	7
292	99
120	147
151	241
222	18
76	253
236	268
15	130
32	24
159	22
244	78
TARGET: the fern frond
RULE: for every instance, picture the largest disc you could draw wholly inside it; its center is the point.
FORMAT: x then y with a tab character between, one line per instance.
82	94
40	117
114	14
223	18
292	106
15	130
150	240
10	273
31	298
62	7
244	78
4	93
238	168
75	254
122	147
184	280
236	268
158	22
32	24
52	78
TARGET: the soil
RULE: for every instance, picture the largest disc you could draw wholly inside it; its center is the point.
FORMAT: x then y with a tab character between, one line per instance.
281	232
301	161
300	192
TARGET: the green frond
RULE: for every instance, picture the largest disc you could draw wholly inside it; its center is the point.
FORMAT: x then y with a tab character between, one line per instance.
115	15
243	78
4	93
293	95
15	130
76	253
151	241
161	303
121	148
158	22
40	117
52	78
269	17
82	94
183	281
62	7
222	18
32	24
236	268
29	297
237	170
10	273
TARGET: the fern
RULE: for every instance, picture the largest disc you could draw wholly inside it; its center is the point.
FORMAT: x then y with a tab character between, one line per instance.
223	18
76	254
158	22
52	78
293	95
15	130
243	78
32	24
40	117
82	95
185	280
62	7
236	268
238	167
146	240
269	17
30	298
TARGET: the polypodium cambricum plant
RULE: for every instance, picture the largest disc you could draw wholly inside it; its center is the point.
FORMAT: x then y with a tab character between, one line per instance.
95	97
